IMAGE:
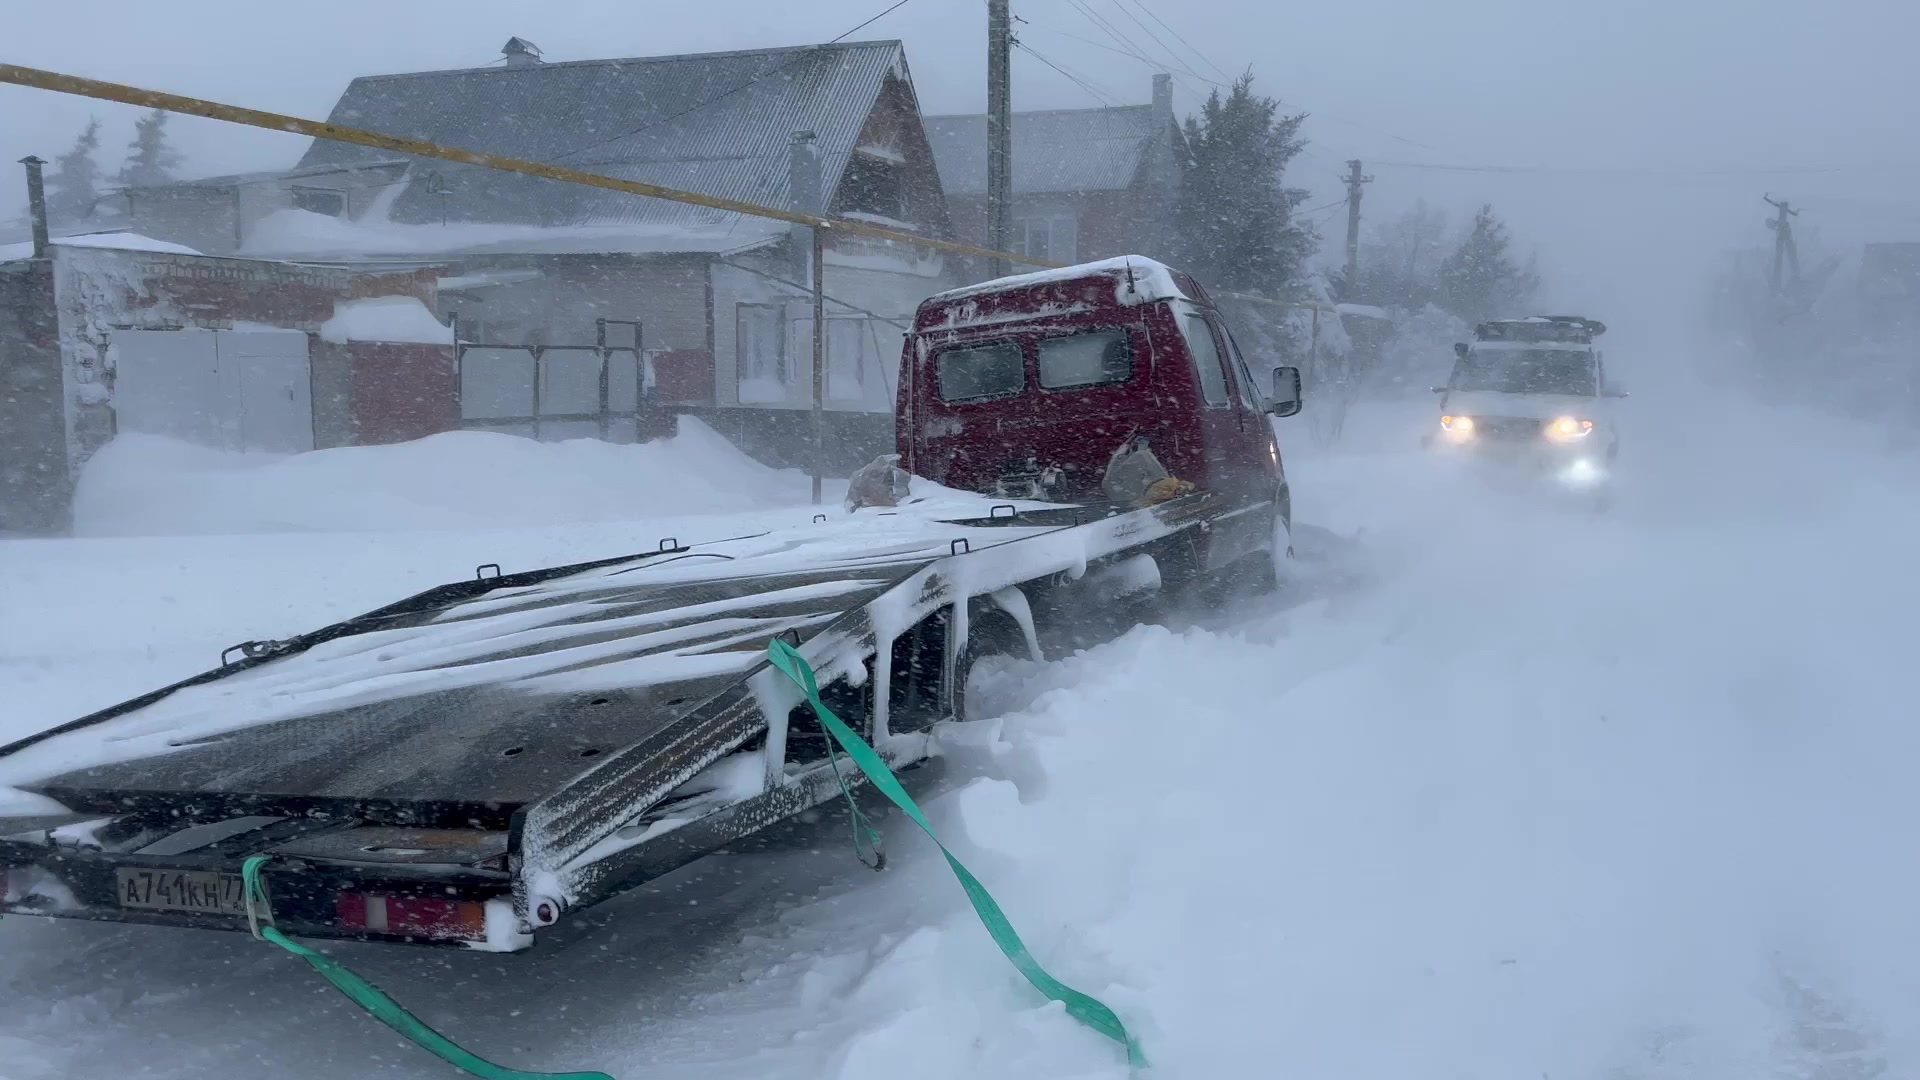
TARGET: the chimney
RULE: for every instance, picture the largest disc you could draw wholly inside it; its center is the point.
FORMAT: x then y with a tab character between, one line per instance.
803	174
803	196
520	53
1163	96
37	204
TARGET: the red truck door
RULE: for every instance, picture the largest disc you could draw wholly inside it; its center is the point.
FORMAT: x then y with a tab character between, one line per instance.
1237	440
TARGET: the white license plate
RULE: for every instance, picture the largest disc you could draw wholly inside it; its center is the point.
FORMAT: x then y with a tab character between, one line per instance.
182	890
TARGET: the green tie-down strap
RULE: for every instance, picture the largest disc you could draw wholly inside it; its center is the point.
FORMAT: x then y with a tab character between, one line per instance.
369	997
1081	1007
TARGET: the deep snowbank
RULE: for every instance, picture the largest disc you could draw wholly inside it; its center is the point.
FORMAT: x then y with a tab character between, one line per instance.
1623	798
145	485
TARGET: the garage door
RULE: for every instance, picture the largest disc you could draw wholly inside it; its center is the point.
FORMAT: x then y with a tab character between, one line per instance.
228	389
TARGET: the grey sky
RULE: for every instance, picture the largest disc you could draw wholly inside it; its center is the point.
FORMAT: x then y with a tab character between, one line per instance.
1651	94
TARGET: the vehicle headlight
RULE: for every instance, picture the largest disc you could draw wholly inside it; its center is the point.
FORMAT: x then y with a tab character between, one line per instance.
1459	425
1568	427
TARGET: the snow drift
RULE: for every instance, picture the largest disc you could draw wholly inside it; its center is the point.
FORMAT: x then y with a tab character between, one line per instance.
143	485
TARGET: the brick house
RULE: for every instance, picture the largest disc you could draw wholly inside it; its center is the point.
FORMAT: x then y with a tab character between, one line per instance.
1087	183
714	301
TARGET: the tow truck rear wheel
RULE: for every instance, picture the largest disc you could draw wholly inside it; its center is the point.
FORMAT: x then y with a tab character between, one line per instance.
992	635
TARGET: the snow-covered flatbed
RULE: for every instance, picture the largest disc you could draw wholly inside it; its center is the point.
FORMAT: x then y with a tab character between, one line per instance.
553	736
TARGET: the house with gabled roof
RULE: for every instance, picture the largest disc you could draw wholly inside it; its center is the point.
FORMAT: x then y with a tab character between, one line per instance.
712	298
1087	183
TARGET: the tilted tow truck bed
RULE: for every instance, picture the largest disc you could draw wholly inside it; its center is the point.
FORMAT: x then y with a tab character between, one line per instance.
465	766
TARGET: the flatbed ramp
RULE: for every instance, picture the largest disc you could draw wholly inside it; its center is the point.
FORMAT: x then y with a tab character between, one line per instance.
495	752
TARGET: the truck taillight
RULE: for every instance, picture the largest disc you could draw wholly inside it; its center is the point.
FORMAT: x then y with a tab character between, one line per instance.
414	916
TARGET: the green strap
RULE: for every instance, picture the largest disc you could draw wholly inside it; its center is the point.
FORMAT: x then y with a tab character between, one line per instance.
383	1008
1087	1010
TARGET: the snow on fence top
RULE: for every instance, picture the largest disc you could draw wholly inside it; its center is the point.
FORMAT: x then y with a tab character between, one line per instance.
401	319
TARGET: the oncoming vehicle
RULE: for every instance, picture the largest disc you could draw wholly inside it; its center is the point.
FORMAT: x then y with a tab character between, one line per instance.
1533	393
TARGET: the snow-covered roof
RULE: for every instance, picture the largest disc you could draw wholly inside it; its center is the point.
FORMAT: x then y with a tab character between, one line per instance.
120	241
385	318
229	180
301	234
715	123
1532	346
1365	311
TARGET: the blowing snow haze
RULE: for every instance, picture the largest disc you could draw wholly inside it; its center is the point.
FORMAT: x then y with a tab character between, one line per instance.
1484	652
1644	133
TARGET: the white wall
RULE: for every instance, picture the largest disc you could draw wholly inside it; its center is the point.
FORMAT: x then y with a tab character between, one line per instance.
863	351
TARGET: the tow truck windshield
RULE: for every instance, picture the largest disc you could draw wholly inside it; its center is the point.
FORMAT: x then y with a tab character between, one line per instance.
1526	371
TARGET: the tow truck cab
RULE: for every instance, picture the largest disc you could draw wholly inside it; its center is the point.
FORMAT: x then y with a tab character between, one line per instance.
1027	386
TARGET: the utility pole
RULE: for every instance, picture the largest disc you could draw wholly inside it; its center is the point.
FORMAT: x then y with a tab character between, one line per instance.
999	131
37	204
1353	181
1784	251
819	359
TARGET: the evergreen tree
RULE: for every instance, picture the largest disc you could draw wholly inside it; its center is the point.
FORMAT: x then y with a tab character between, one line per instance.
1234	224
150	158
72	189
1399	266
1480	280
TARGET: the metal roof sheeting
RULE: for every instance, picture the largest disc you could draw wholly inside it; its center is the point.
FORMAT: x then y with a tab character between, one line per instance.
1061	150
714	123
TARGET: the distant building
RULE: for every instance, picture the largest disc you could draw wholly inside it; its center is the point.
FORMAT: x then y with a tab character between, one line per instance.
712	299
1087	183
1890	291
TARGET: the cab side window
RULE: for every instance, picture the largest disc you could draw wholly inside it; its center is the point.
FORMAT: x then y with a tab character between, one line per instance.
1250	393
1207	360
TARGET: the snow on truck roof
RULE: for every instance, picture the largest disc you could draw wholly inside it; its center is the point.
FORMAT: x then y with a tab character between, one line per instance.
1137	280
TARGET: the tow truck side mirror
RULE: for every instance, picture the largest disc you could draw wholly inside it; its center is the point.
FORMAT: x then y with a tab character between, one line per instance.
1286	391
1460	349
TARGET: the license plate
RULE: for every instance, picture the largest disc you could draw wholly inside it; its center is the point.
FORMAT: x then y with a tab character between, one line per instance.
200	891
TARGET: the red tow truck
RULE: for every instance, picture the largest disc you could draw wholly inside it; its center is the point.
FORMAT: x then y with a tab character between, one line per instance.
468	766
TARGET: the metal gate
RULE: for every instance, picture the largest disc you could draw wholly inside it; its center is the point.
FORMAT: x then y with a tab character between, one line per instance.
554	392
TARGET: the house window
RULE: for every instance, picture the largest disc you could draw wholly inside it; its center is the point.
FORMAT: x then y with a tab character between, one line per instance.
320	201
1052	237
760	352
874	185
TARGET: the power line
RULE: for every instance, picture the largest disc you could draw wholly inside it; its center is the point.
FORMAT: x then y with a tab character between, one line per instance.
799	55
1577	170
1125	42
1157	40
1122	52
1176	34
1071	77
1083	7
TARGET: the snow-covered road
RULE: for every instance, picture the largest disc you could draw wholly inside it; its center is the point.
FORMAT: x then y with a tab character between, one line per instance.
1549	795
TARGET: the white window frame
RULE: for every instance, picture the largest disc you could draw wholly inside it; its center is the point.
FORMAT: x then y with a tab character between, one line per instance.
1056	225
746	364
298	190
